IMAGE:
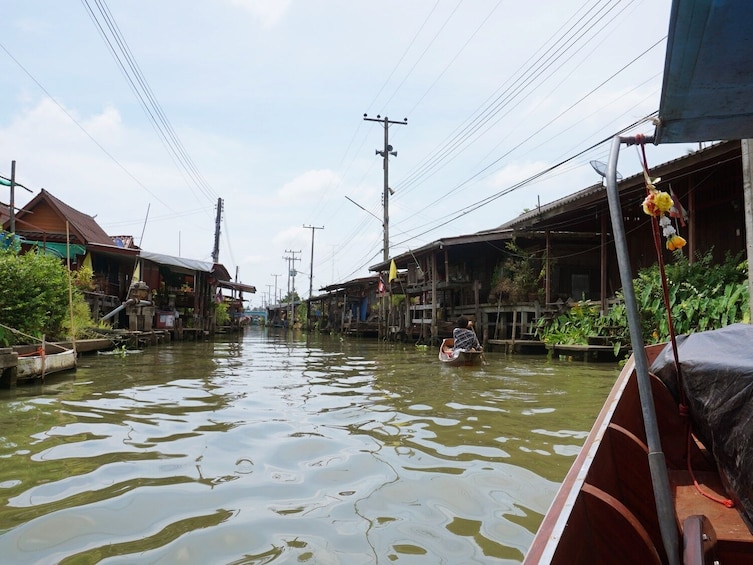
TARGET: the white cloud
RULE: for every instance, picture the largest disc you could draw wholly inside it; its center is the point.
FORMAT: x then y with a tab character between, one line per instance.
309	185
516	172
268	12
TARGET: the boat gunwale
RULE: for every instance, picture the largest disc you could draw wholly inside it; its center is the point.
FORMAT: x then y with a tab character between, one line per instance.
30	371
466	357
571	487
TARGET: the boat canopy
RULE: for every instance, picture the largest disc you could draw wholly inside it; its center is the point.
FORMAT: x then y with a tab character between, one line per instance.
707	93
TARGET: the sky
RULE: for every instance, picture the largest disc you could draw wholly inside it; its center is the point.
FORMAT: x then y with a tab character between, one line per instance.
144	114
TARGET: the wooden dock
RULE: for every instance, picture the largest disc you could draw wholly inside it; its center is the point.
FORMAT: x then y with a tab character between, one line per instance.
603	353
523	346
8	367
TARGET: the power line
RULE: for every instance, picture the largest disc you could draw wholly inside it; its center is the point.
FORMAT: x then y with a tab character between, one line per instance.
83	129
489	199
515	88
120	51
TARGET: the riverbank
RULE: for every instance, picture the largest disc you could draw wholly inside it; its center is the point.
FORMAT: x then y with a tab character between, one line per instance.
109	340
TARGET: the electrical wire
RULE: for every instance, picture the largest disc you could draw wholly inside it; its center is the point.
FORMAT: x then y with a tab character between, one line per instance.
519	86
83	129
118	47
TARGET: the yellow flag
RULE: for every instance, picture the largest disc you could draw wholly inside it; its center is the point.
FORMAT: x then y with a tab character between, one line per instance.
393	271
136	272
87	261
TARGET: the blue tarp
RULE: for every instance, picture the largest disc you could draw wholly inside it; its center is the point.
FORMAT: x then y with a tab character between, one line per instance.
707	94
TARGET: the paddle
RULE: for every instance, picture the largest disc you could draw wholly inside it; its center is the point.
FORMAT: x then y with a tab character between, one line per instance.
483	358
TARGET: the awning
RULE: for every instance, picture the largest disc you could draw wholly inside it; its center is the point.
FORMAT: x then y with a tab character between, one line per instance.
707	93
179	262
56	249
237	286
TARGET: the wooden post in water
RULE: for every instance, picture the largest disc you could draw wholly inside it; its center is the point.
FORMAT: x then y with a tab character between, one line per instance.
434	329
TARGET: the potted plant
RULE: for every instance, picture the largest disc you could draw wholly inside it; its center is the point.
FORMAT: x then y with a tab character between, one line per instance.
519	276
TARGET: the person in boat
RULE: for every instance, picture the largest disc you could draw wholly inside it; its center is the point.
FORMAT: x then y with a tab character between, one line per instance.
464	336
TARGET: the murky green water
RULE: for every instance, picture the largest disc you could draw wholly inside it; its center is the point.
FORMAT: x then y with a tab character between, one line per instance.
267	448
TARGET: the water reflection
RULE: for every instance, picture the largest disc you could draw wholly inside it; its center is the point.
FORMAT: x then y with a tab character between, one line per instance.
273	448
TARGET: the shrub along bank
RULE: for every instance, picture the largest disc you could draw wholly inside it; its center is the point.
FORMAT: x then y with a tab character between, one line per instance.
703	296
34	298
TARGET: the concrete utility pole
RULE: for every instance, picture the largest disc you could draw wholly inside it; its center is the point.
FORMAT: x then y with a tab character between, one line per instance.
12	207
311	274
12	184
291	275
385	153
218	219
274	296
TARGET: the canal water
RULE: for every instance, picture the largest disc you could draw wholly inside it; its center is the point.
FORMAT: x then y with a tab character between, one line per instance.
285	448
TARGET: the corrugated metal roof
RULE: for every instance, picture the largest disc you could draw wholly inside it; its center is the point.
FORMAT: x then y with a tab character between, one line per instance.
182	262
362	281
402	260
217	269
237	286
597	193
708	72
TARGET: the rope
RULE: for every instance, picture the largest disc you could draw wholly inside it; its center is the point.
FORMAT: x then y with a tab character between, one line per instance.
39	352
19	332
728	502
664	284
683	406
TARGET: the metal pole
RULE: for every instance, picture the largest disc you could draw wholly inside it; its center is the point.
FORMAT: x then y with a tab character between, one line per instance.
12	209
656	461
746	148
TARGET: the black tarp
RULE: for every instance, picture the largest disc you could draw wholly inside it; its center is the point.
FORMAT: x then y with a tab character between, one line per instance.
717	373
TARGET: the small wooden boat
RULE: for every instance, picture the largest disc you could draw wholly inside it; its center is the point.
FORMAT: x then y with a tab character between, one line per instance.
450	356
605	510
666	473
39	365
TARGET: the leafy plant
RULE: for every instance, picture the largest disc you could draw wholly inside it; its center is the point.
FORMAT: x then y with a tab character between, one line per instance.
83	278
222	315
397	299
33	295
572	327
80	326
301	313
519	275
703	296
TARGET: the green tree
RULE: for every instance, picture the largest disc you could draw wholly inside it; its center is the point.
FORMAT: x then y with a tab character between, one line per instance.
33	295
291	297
